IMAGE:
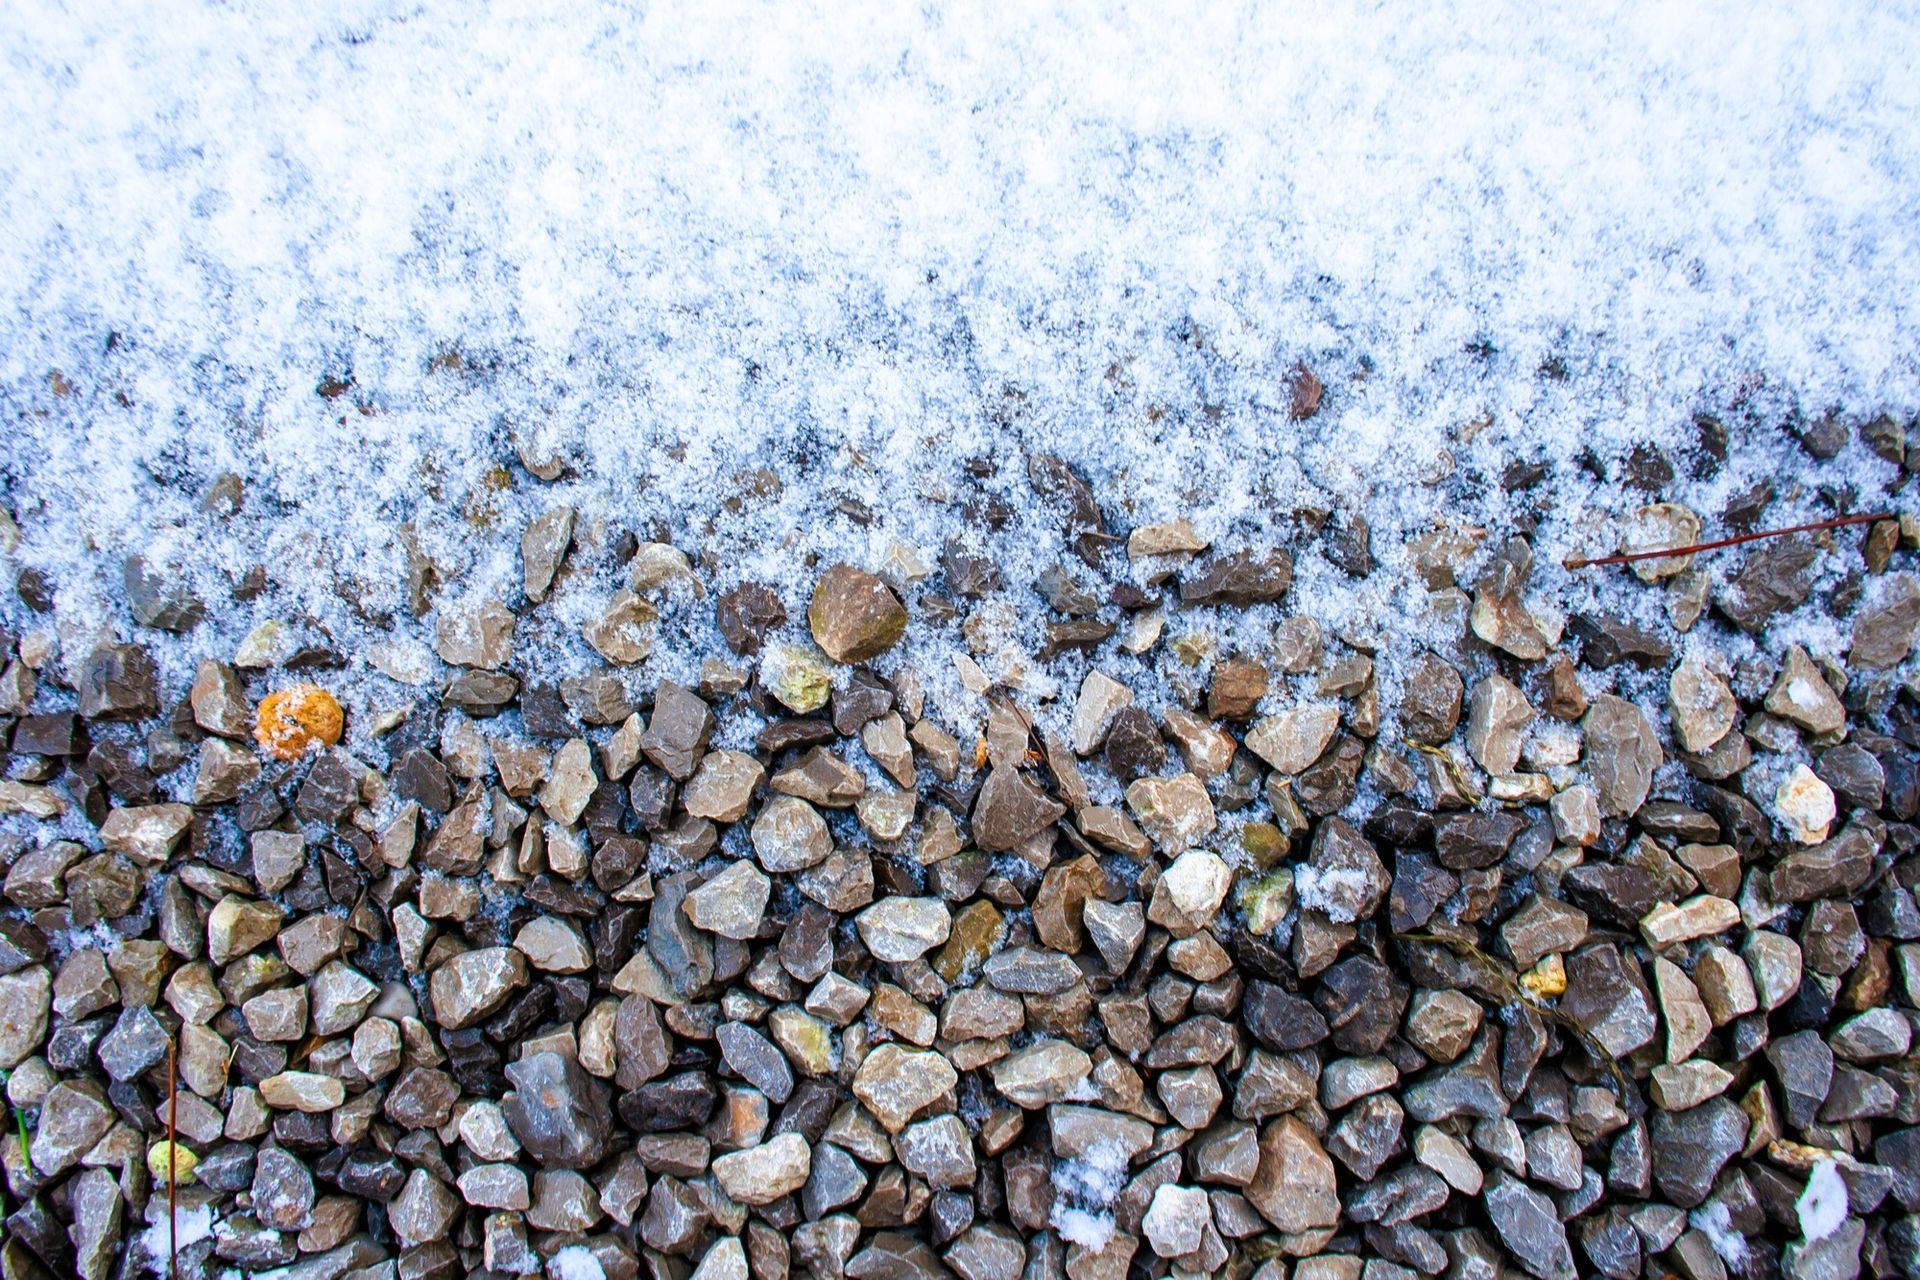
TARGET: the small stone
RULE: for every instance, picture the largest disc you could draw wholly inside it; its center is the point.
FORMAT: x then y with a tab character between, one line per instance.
790	835
1430	700
1805	806
746	614
1241	579
1498	715
1883	632
74	1115
755	1059
237	925
559	1113
570	783
1677	1086
302	1091
1238	685
1169	537
762	1174
1689	1148
219	703
733	903
1622	753
1449	1157
677	731
1542	926
1045	1072
148	833
1528	1227
722	788
542	549
1010	810
1190	891
1296	737
854	616
1294	1187
159	596
1175	1219
1698	917
480	635
1343	876
938	1150
552	945
895	1083
474	984
1802	695
1657	527
1176	812
885	739
495	1186
117	683
1703	708
622	633
798	677
901	929
1100	698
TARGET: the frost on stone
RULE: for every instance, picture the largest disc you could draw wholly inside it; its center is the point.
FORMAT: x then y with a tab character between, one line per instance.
157	1242
1085	1188
1715	1222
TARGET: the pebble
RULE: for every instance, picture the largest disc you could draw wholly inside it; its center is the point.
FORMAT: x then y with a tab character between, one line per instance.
764	1173
1293	739
790	835
1622	753
1175	813
733	903
1702	706
1805	806
1010	810
1801	694
898	930
1174	1220
854	616
1497	716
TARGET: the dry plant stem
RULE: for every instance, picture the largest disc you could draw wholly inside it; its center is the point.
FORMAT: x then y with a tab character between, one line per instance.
173	1159
1627	557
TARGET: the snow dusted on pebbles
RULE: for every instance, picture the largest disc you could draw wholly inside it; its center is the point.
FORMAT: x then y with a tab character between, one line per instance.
677	643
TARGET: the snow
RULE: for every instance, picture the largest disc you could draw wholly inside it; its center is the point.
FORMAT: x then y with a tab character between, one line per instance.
1091	1231
1330	891
1822	1206
1715	1221
766	286
1086	1188
575	1262
195	1223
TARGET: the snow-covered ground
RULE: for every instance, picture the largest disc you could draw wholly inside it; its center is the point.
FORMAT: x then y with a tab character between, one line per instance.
738	266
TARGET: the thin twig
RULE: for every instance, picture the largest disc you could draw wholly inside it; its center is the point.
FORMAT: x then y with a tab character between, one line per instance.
1627	557
173	1158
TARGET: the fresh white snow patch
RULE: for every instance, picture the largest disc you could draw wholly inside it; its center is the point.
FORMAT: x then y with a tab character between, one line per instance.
1715	1222
1091	1231
576	1262
195	1224
1822	1206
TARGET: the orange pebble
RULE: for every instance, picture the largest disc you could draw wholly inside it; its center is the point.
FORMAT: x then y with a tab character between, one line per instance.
297	718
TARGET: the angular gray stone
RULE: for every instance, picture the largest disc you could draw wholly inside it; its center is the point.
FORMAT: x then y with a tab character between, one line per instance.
1528	1227
560	1114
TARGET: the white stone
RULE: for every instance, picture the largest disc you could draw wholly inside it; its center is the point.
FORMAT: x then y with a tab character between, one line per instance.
1176	1221
1805	805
